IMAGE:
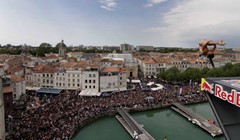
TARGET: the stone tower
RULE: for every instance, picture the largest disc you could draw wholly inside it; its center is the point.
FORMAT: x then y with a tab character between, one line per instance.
2	122
62	49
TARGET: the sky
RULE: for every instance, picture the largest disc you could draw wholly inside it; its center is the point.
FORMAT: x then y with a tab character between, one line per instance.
160	23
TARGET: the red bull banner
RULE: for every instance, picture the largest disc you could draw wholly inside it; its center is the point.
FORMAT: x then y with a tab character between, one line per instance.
232	96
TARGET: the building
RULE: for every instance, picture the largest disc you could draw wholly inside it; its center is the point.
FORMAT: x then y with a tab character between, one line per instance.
62	49
39	76
129	62
7	95
76	76
149	68
146	48
2	115
125	57
16	70
90	78
68	78
113	79
18	86
126	48
111	48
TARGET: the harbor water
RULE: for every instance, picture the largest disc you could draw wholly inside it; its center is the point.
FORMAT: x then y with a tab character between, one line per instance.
159	123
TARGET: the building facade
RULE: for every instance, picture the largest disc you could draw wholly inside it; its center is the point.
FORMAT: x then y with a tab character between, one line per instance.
18	86
126	48
90	79
113	79
2	115
147	48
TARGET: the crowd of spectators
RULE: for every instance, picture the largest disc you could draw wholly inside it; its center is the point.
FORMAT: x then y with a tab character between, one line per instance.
59	117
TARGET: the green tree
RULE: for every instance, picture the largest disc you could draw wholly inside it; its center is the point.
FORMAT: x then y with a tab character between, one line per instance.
192	74
43	48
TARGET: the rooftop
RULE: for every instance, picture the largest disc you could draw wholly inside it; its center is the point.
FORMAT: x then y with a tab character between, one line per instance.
110	69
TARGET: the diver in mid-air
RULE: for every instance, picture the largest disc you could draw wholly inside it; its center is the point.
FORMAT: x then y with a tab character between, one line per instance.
203	47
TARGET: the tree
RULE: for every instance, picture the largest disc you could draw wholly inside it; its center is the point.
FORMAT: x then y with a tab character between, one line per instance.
192	74
43	48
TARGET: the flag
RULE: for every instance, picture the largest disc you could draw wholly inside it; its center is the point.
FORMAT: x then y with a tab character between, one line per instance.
180	91
190	82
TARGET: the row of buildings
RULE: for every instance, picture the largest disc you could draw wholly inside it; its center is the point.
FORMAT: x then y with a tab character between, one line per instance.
102	74
153	63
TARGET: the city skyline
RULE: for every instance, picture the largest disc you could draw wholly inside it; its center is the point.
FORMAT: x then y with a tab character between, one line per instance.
161	23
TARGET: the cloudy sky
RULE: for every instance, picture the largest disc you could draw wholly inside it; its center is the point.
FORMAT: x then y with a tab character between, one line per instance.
169	23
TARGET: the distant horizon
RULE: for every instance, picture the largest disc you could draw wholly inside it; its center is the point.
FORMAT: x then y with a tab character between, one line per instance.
221	47
113	22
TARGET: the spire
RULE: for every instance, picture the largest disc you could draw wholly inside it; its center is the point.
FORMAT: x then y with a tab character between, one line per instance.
62	41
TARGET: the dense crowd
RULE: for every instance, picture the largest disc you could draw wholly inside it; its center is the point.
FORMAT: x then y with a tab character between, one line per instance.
63	114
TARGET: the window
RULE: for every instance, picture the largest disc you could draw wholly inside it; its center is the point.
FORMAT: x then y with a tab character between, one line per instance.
113	84
120	78
94	81
90	86
68	80
94	75
90	81
90	75
78	85
86	86
109	84
120	83
93	86
73	80
85	81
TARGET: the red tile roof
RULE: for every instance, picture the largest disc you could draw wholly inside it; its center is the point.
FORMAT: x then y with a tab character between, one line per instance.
110	69
16	79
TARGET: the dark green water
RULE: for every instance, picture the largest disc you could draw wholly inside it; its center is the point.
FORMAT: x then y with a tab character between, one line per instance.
157	122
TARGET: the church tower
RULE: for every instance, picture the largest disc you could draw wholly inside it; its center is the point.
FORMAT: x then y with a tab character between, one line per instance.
62	49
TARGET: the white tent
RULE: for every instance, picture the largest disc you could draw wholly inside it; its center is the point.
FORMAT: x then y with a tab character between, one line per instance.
150	83
134	81
159	86
89	92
